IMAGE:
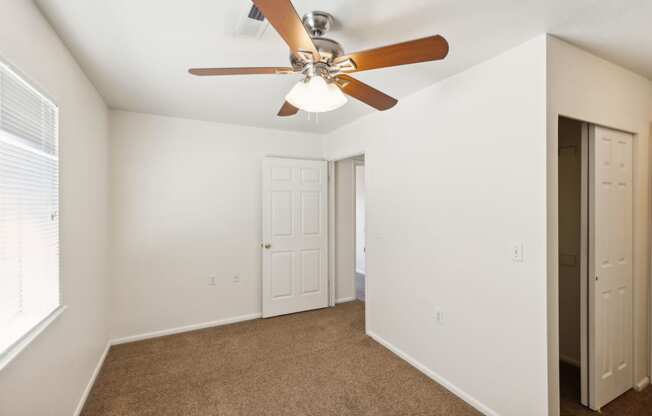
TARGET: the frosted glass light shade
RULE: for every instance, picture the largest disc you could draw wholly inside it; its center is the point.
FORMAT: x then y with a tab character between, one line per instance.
316	95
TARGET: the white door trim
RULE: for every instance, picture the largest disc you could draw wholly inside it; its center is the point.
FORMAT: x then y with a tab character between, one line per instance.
331	233
584	266
357	163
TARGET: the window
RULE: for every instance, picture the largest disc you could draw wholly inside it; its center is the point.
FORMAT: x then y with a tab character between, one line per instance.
29	204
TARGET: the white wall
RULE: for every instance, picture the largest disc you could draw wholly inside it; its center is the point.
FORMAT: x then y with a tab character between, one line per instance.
456	174
344	230
585	87
360	220
49	377
186	204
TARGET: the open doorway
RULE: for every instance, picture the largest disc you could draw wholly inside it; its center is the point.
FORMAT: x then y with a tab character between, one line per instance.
360	230
349	248
595	267
573	176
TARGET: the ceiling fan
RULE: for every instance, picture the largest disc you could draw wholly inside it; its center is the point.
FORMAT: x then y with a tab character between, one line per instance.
324	64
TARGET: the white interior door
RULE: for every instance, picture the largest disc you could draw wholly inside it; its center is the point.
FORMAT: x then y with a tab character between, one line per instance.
610	263
295	221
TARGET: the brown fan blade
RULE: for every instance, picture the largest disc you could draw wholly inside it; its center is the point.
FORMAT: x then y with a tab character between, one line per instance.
431	48
282	15
287	110
365	93
240	71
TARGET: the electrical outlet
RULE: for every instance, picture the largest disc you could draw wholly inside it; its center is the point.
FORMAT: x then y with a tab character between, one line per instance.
236	278
211	281
439	316
517	252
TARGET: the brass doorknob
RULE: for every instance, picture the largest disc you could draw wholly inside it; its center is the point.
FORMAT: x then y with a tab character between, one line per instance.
267	246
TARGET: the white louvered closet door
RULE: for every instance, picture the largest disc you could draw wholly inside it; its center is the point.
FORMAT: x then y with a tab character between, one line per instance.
29	199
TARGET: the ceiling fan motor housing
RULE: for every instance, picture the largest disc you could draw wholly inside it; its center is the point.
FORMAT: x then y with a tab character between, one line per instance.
327	48
318	23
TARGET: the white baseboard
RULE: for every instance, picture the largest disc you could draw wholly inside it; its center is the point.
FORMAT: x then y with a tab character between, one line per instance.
186	328
569	360
149	335
344	300
641	385
436	377
89	386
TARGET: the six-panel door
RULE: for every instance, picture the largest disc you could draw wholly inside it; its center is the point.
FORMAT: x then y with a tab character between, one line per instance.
294	236
610	236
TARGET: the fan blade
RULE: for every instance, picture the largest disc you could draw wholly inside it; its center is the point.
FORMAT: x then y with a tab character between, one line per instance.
282	15
432	48
365	93
287	110
240	71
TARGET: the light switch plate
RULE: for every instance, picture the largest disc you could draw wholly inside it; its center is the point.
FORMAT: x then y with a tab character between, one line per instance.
517	252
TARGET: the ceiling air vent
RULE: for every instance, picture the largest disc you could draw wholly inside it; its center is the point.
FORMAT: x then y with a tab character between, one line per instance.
252	24
256	14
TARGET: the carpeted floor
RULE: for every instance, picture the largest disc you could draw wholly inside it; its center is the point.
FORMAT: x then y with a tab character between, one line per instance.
631	403
312	363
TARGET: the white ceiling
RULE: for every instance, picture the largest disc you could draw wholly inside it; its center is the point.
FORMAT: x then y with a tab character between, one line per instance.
137	52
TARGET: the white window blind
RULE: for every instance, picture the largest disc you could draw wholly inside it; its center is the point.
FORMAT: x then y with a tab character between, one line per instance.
29	204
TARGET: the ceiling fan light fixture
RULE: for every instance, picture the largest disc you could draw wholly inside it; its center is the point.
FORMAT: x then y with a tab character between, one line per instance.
323	62
316	95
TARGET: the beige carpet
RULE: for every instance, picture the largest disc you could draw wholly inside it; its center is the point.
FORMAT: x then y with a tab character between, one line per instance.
312	363
632	403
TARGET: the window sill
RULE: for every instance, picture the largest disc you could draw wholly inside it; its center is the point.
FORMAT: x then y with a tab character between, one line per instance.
19	346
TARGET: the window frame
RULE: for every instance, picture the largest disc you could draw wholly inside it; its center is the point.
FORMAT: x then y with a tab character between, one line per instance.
20	344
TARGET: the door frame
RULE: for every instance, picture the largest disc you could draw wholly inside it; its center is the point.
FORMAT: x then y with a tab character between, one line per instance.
584	263
332	261
357	163
553	326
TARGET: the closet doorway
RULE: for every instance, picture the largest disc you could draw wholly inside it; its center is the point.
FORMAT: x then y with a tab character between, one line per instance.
595	263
